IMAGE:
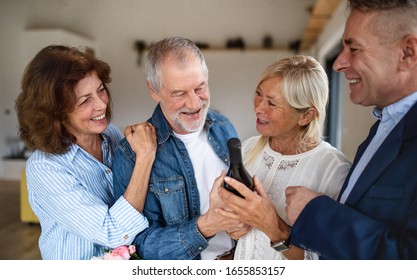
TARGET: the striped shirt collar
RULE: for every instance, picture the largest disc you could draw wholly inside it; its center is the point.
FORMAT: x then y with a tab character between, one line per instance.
74	148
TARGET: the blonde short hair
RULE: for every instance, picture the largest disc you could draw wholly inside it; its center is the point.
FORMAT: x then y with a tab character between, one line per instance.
304	84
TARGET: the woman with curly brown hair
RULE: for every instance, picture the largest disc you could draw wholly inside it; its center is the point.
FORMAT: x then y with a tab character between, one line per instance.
64	113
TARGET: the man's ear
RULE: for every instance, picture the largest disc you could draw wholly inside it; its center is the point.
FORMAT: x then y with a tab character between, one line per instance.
154	95
409	53
308	116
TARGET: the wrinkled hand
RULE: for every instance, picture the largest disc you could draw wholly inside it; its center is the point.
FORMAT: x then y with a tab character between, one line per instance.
142	138
255	210
238	233
296	199
212	222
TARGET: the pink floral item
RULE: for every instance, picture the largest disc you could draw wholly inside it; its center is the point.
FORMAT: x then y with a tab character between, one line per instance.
122	252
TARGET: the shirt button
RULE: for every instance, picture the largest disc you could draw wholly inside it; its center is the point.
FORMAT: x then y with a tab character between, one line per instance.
125	237
200	248
166	190
108	171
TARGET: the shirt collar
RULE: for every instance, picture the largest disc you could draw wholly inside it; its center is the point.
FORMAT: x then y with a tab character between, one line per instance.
397	110
74	148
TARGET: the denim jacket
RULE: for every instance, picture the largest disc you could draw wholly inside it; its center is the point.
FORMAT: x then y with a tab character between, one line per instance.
172	203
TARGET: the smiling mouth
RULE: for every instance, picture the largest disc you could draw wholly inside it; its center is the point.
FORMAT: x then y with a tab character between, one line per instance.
99	118
262	121
191	113
354	81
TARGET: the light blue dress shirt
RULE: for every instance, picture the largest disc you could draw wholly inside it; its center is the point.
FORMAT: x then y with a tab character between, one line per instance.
72	196
389	117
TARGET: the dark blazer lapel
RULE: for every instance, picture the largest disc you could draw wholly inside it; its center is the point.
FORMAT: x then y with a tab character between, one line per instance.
410	123
387	152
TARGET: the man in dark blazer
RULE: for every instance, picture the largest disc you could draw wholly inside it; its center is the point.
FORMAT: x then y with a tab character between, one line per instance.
375	216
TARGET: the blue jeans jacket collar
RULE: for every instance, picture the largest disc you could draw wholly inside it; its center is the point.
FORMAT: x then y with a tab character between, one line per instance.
172	204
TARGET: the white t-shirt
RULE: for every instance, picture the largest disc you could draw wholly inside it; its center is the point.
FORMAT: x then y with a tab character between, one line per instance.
322	169
207	167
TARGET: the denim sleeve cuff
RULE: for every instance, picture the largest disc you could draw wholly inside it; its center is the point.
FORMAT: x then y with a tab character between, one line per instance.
195	241
128	218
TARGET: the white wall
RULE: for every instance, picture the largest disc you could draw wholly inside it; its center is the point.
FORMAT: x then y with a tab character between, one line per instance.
233	78
233	74
356	120
11	26
29	44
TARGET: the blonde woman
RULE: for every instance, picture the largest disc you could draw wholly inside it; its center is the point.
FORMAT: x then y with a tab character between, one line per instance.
290	107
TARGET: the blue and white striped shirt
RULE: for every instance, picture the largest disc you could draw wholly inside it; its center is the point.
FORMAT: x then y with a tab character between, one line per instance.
72	196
